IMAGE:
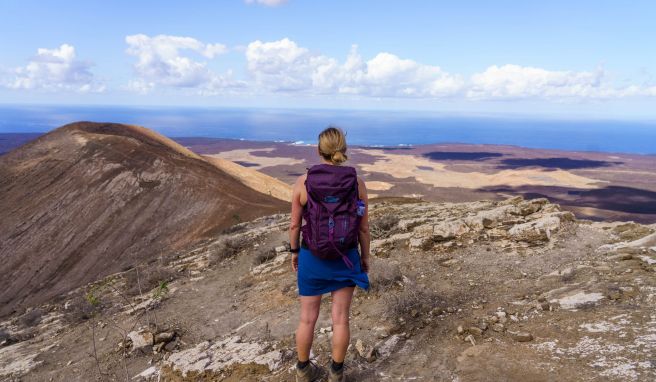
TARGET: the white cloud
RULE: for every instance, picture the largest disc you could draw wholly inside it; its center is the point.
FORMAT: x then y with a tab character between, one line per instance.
55	69
514	81
284	66
268	3
160	62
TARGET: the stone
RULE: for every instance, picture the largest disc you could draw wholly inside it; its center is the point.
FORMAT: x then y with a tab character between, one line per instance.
360	347
365	351
386	347
371	355
475	331
158	347
421	243
170	346
449	229
621	257
218	356
491	218
521	336
164	337
544	306
280	249
532	206
141	339
460	329
148	373
498	328
423	230
575	299
535	230
629	291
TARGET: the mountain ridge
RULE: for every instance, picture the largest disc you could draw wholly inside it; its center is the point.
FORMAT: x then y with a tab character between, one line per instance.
117	192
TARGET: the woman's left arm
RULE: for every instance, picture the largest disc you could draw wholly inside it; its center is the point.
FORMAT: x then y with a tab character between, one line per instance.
296	220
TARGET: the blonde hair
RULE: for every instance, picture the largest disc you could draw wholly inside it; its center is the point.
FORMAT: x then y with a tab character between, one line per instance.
332	145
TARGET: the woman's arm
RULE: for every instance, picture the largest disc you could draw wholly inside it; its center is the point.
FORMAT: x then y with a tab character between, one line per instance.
363	235
296	219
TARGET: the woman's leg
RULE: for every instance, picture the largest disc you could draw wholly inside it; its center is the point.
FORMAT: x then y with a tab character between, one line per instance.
340	314
305	332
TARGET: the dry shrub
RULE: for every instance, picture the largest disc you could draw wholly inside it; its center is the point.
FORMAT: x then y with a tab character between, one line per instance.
264	254
412	302
149	277
226	247
79	309
235	228
5	338
31	318
381	226
383	274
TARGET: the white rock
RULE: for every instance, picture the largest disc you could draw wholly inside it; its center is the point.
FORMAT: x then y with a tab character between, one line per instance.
141	339
220	355
449	229
270	266
578	299
151	371
386	348
539	229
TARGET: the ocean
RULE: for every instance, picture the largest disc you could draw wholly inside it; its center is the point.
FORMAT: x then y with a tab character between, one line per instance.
375	128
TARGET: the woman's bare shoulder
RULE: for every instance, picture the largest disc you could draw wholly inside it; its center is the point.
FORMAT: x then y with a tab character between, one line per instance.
300	181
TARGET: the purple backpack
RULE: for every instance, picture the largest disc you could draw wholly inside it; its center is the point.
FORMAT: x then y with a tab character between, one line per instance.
331	213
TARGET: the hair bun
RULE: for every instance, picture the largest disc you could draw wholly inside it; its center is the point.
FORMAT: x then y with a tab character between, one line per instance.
338	157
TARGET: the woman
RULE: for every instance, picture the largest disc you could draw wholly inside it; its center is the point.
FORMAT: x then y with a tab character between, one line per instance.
327	267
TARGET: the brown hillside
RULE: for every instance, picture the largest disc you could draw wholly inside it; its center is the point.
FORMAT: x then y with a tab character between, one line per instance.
254	179
90	199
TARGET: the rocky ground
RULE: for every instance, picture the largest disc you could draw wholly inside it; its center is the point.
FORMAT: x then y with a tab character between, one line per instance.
512	290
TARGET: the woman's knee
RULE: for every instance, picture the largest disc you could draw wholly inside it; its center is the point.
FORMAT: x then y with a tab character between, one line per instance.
310	311
340	314
309	318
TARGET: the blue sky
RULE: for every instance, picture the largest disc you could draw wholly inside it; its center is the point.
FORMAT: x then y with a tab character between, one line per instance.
563	58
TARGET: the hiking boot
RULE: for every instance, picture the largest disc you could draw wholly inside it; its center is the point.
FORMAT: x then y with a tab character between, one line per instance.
336	376
309	373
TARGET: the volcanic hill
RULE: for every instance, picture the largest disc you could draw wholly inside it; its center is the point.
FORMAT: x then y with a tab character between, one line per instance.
90	199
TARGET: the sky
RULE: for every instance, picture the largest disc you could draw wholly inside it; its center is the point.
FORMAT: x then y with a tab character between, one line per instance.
555	58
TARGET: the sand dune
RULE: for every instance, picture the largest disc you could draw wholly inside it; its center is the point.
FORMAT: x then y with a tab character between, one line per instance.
256	162
254	179
436	174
